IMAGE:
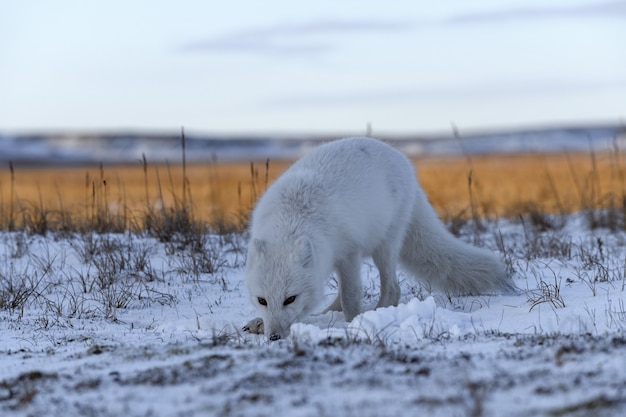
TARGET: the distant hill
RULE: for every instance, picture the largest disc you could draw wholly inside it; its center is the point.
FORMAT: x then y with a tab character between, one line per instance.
89	148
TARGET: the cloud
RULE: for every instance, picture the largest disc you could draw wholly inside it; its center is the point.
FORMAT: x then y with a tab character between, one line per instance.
321	36
292	39
484	91
613	9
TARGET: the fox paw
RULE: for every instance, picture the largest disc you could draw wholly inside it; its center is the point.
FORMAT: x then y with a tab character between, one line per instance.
254	326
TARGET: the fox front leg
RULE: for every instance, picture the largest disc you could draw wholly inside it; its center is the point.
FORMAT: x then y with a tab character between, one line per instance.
254	326
335	306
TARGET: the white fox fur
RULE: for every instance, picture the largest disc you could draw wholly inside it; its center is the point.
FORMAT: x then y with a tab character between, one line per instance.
343	201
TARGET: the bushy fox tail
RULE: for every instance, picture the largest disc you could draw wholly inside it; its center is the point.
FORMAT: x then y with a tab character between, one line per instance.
434	255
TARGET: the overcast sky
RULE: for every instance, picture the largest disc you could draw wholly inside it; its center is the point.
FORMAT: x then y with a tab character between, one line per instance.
316	66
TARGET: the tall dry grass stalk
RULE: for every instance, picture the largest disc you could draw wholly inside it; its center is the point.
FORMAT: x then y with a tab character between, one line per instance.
219	196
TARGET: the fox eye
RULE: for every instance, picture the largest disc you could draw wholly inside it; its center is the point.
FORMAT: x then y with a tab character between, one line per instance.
262	301
289	300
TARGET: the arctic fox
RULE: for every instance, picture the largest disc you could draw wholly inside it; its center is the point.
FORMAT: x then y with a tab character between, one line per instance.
348	199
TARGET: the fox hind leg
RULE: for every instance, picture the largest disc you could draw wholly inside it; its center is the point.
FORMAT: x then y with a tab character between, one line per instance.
385	261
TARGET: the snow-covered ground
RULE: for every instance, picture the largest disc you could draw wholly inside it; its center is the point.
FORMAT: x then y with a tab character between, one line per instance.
125	325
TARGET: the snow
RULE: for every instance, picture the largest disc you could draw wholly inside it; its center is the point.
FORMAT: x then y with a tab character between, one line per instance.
127	325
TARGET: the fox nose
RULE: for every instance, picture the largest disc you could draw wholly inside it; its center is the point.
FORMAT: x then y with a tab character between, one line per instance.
274	337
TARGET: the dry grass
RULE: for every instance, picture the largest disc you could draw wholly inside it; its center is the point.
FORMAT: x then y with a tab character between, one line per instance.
223	193
128	195
502	185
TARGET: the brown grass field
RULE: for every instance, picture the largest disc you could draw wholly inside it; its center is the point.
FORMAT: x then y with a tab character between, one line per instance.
458	187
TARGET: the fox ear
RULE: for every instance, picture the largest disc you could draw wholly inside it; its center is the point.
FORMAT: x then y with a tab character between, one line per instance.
304	251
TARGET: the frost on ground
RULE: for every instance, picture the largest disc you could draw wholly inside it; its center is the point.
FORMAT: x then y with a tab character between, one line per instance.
110	325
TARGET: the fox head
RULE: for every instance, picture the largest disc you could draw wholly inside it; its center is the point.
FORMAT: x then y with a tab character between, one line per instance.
281	283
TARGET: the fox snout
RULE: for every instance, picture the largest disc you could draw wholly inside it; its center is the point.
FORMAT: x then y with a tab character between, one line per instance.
276	330
275	333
